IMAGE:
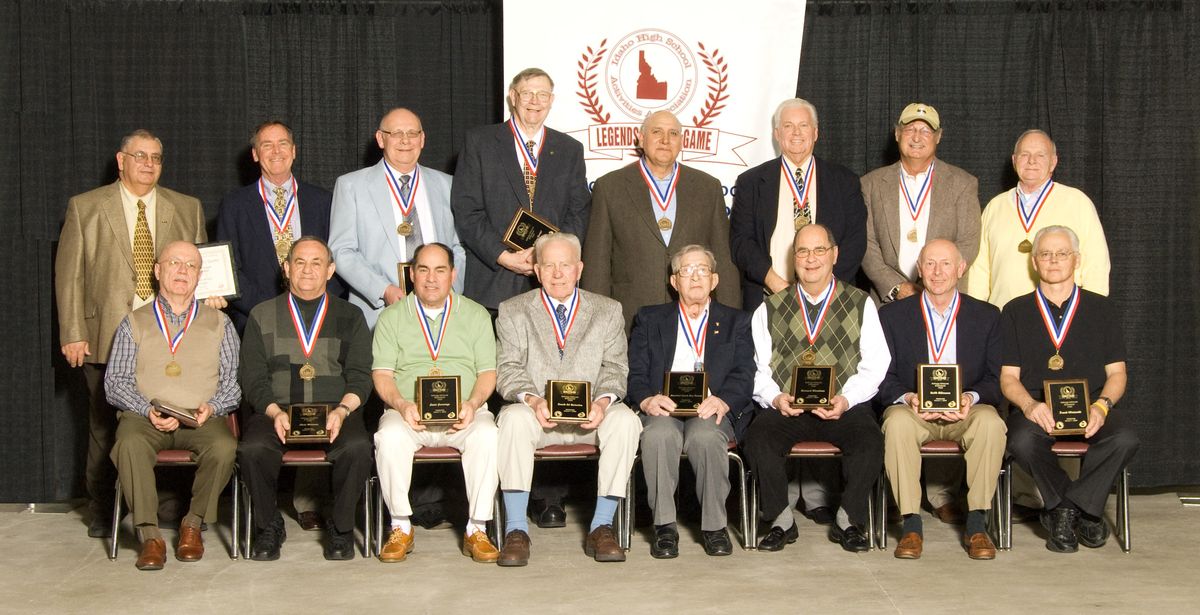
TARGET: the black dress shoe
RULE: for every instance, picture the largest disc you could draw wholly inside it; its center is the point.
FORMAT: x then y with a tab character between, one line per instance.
821	515
267	542
666	543
716	542
851	539
1091	533
778	538
552	516
100	527
339	545
1061	523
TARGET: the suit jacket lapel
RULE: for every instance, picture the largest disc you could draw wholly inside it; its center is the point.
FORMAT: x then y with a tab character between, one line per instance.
164	214
114	213
505	150
381	197
670	333
768	201
939	223
891	209
683	220
639	195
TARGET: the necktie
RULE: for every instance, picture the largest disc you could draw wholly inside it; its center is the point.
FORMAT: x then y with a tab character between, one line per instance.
801	215
143	253
530	178
412	241
561	313
283	237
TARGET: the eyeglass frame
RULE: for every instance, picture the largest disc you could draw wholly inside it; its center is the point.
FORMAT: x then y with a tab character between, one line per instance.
410	135
141	157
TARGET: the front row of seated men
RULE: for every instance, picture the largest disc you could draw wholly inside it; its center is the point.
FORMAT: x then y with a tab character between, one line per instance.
307	346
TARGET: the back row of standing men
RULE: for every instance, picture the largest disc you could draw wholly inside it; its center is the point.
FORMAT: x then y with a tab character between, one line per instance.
632	223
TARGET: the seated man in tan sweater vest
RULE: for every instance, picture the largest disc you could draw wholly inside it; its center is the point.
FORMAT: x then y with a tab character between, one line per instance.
178	351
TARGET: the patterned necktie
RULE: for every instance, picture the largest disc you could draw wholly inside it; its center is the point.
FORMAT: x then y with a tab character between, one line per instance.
530	178
801	214
561	313
413	240
283	238
143	253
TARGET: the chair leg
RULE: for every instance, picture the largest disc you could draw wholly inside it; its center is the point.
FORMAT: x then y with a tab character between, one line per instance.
116	521
247	521
1006	507
876	516
237	487
752	498
1123	511
497	533
743	506
625	515
368	518
377	491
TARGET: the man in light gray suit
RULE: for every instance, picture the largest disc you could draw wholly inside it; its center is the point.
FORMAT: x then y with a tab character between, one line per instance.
560	332
383	212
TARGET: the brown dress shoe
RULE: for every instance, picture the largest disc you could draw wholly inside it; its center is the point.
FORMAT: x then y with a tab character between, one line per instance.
480	549
191	544
602	544
153	555
516	549
399	544
910	546
979	546
311	521
950	513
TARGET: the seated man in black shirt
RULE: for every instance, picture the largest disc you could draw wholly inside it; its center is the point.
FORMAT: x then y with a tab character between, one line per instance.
1057	332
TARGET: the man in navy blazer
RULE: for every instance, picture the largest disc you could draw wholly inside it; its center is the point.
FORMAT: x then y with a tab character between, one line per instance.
245	220
695	334
942	326
771	201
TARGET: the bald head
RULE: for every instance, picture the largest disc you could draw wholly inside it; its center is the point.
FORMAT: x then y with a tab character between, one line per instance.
941	265
401	137
661	140
178	272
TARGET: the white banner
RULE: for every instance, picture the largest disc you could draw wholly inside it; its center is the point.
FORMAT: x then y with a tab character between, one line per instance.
720	67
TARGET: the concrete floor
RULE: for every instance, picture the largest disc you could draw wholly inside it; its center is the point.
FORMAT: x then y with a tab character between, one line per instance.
50	566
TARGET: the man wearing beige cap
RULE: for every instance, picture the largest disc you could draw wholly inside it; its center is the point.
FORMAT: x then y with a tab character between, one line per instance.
916	200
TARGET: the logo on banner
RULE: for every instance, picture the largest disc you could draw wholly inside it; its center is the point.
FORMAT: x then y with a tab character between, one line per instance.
650	70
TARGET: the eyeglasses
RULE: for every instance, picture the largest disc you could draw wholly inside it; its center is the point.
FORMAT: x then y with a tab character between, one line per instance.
176	263
1048	256
541	95
818	252
919	132
143	158
411	135
688	271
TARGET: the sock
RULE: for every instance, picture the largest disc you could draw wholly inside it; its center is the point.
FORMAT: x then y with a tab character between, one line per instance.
475	525
785	520
606	507
191	520
402	522
516	506
976	522
912	523
843	518
148	532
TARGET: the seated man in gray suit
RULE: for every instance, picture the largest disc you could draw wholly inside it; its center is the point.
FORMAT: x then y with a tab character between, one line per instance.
561	332
383	212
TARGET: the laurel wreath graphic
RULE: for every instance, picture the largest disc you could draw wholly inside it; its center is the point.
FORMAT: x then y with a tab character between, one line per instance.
718	83
587	82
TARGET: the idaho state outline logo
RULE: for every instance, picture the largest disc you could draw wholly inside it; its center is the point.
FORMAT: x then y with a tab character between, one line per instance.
649	70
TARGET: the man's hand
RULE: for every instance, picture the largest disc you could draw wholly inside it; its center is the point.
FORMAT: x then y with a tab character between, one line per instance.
1039	413
466	414
783	403
1096	420
658	405
334	420
216	302
203	413
712	405
411	414
283	424
907	289
834	412
392	294
520	263
596	414
165	424
541	411
774	282
964	408
75	352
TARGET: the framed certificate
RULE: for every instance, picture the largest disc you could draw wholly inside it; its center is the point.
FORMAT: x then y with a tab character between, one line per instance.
218	276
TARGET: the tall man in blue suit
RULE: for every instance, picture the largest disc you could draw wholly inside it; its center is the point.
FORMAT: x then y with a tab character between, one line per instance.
695	334
942	326
383	212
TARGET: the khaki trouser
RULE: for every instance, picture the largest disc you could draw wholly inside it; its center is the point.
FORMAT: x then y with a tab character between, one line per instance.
981	434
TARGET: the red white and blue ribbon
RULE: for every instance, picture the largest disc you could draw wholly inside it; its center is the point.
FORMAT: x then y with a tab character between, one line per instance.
937	339
308	333
695	338
916	205
278	222
434	344
161	319
561	332
519	137
405	205
800	193
813	327
1058	332
662	199
1028	214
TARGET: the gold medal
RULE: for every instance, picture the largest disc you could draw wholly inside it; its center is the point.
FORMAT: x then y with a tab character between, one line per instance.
912	235
1056	362
435	370
308	372
808	357
799	223
1025	247
282	245
405	229
664	224
173	370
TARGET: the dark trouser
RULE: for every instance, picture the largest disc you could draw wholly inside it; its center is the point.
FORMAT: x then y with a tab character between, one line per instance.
100	475
772	435
260	456
1109	450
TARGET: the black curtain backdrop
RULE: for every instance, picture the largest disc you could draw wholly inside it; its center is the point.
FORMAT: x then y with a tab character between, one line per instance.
1114	82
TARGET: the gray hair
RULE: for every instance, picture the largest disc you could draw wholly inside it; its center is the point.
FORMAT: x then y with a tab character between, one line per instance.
568	238
1056	228
140	133
532	72
1036	131
689	249
793	103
